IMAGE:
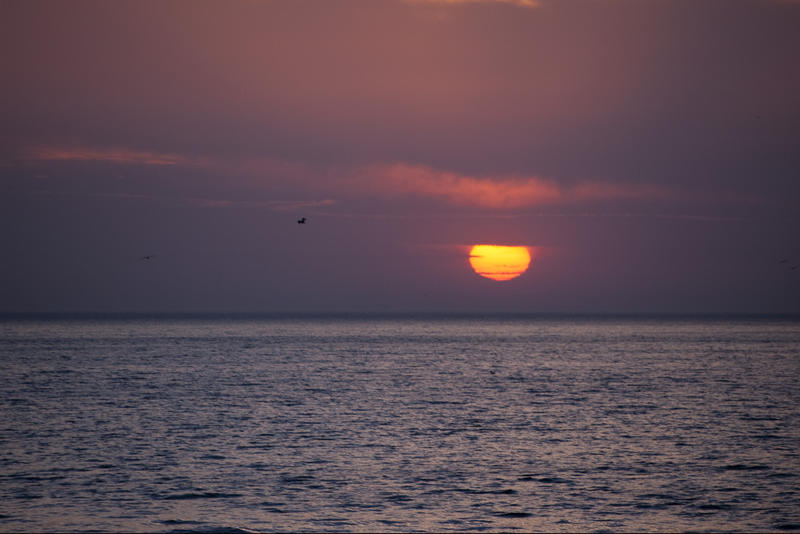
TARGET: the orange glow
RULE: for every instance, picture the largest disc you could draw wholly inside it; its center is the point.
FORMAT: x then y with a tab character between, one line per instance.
519	3
499	262
498	192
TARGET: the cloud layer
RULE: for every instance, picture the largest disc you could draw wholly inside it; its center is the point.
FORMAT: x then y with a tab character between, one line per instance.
398	180
518	3
111	155
502	192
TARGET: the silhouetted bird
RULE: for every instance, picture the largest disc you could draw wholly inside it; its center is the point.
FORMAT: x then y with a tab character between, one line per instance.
301	221
794	267
149	257
784	261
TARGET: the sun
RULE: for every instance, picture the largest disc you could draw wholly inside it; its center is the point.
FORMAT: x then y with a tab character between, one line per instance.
499	262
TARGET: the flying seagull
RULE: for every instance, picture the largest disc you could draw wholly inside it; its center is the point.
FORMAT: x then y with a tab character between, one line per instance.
148	257
301	220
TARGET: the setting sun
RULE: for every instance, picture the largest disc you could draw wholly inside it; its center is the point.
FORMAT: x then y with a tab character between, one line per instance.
499	262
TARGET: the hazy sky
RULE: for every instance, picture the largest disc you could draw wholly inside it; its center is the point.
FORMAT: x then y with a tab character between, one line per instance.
648	152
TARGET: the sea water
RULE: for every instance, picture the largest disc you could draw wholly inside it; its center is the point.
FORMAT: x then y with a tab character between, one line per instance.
404	423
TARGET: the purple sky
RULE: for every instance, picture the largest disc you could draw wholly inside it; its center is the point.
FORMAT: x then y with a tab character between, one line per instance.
648	152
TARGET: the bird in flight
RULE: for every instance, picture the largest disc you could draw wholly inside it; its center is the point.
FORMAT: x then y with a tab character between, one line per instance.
148	257
301	220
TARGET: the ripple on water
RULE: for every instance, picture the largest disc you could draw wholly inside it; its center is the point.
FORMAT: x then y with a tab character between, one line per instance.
198	495
402	424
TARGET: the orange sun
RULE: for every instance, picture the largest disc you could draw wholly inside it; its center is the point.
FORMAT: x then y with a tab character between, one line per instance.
499	262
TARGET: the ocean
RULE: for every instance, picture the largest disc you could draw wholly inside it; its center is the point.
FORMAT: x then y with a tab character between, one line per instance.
399	423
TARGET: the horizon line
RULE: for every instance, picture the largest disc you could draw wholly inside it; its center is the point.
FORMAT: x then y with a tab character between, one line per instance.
272	314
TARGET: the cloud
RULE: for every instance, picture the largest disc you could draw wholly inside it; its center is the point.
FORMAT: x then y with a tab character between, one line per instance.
201	202
112	155
241	166
503	192
264	174
276	205
518	3
459	189
608	191
212	181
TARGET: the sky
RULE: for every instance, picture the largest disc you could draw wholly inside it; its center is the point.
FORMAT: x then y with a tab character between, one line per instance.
646	152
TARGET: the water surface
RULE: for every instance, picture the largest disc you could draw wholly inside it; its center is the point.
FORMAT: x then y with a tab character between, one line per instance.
400	424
